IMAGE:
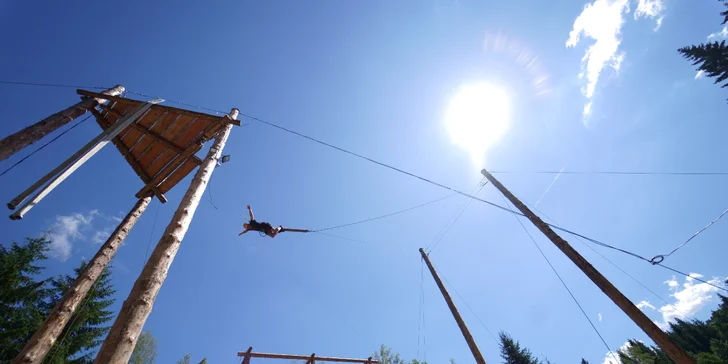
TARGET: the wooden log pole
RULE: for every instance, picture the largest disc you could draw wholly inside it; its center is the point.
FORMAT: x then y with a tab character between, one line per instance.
124	333
42	341
675	352
70	165
455	313
13	143
249	354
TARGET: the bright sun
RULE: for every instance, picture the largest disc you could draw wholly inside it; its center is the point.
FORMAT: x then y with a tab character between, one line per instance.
477	117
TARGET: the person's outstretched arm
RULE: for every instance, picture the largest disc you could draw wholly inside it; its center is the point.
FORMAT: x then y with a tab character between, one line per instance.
250	211
244	231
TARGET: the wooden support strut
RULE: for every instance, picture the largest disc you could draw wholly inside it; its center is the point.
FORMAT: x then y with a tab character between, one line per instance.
461	324
172	109
154	135
31	134
250	354
130	159
175	163
65	169
38	346
124	333
675	352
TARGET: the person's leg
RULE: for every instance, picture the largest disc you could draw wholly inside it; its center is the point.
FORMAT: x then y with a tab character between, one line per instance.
250	212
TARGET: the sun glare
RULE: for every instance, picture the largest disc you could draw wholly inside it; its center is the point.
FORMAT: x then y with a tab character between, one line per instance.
477	117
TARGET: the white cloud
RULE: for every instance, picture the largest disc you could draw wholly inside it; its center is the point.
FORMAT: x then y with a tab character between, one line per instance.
101	236
67	229
587	109
644	304
699	75
720	35
600	316
601	21
614	359
689	299
651	9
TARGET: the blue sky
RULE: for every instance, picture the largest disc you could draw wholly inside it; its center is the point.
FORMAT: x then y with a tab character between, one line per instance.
376	77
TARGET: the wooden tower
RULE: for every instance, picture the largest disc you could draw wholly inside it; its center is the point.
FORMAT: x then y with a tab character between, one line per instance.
160	144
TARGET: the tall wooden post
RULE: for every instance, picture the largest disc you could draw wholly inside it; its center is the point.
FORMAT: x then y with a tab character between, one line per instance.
65	169
461	324
675	352
37	348
122	337
31	134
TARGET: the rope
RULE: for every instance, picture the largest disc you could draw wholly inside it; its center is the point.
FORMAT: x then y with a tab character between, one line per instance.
616	266
469	308
662	257
44	145
619	173
564	284
340	237
384	216
50	85
457	215
421	315
151	234
695	278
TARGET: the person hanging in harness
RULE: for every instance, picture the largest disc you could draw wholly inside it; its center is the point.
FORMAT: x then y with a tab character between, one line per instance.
264	227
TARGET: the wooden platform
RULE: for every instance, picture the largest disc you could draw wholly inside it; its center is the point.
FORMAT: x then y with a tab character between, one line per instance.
161	145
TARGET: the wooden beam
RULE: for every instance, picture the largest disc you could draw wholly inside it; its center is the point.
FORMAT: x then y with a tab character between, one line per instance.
307	357
51	180
223	119
132	161
461	324
154	135
39	345
673	351
175	163
31	134
124	333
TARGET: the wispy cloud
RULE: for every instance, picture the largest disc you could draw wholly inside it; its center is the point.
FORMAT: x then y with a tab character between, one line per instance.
67	229
613	358
722	34
689	298
602	22
644	304
551	185
101	236
600	316
699	75
654	9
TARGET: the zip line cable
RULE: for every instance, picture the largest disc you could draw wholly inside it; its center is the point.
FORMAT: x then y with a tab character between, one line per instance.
421	314
694	235
459	212
615	265
655	260
44	145
384	216
619	173
564	284
469	308
50	85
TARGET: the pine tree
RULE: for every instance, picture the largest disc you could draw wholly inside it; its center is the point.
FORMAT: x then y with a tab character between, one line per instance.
512	352
21	294
86	328
694	336
145	350
639	353
711	58
583	361
719	322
